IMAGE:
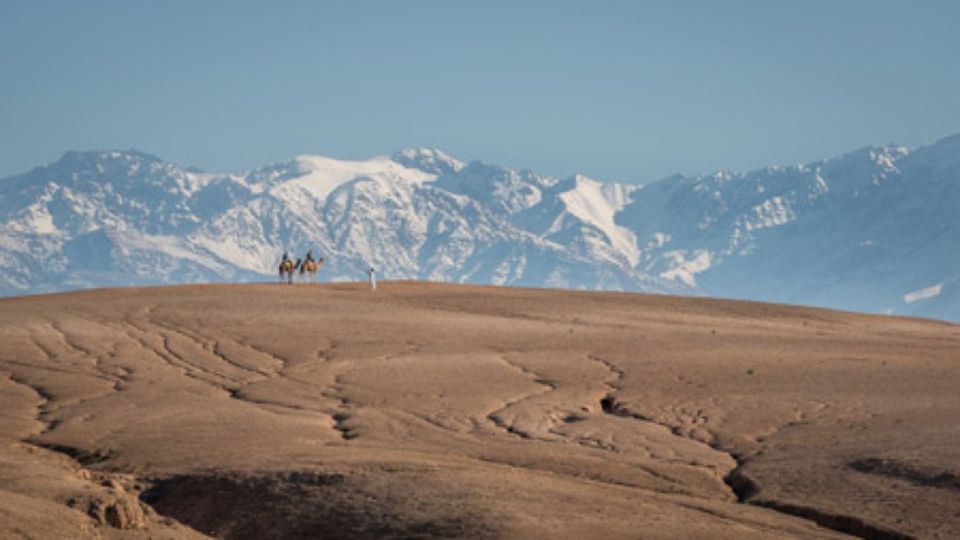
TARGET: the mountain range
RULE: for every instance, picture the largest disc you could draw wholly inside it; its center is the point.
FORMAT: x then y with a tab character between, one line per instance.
874	230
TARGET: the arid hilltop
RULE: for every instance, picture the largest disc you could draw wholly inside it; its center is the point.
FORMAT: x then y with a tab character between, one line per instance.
428	410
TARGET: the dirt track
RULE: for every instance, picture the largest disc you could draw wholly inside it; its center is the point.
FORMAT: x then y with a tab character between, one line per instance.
428	410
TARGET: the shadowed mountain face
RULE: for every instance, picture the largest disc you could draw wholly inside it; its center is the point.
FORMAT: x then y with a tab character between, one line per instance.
430	410
875	230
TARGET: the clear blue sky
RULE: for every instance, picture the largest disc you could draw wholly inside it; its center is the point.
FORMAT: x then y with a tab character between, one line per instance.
618	90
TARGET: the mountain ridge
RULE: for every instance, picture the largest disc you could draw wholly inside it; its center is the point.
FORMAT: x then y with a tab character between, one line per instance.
869	230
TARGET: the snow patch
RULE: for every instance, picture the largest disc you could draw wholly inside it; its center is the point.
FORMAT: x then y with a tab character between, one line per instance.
923	294
428	159
597	204
243	253
660	239
686	265
322	175
36	218
771	213
39	221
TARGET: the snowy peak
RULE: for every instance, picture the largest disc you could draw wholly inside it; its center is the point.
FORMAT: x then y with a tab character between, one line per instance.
429	160
883	157
77	159
858	231
505	190
344	169
125	173
597	204
128	167
84	190
319	176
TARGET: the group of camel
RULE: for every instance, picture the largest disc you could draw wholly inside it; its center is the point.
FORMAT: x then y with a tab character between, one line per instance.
307	270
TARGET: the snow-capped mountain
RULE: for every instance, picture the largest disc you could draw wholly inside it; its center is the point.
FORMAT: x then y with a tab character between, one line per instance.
874	230
867	231
115	218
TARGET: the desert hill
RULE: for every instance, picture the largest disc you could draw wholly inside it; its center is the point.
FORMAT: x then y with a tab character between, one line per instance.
426	410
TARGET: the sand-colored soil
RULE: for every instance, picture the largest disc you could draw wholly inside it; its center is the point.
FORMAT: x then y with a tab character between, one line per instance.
424	410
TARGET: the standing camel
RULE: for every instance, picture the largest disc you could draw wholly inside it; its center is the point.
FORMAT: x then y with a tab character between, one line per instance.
309	269
286	268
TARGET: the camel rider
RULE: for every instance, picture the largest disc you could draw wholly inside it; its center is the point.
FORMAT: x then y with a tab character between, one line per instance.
310	255
286	257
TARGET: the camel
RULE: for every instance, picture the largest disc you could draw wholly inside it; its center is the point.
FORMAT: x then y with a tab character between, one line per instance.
287	267
309	270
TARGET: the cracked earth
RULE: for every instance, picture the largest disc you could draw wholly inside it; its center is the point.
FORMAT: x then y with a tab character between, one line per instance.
427	410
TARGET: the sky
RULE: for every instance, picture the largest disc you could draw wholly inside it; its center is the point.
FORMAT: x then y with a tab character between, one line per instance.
630	91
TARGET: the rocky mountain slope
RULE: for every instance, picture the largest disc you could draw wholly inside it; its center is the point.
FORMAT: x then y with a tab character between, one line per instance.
873	230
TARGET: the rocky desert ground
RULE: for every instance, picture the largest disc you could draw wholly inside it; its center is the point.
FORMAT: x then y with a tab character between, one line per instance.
429	410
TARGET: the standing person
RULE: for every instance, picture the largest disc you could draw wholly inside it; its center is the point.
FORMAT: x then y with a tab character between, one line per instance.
373	278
